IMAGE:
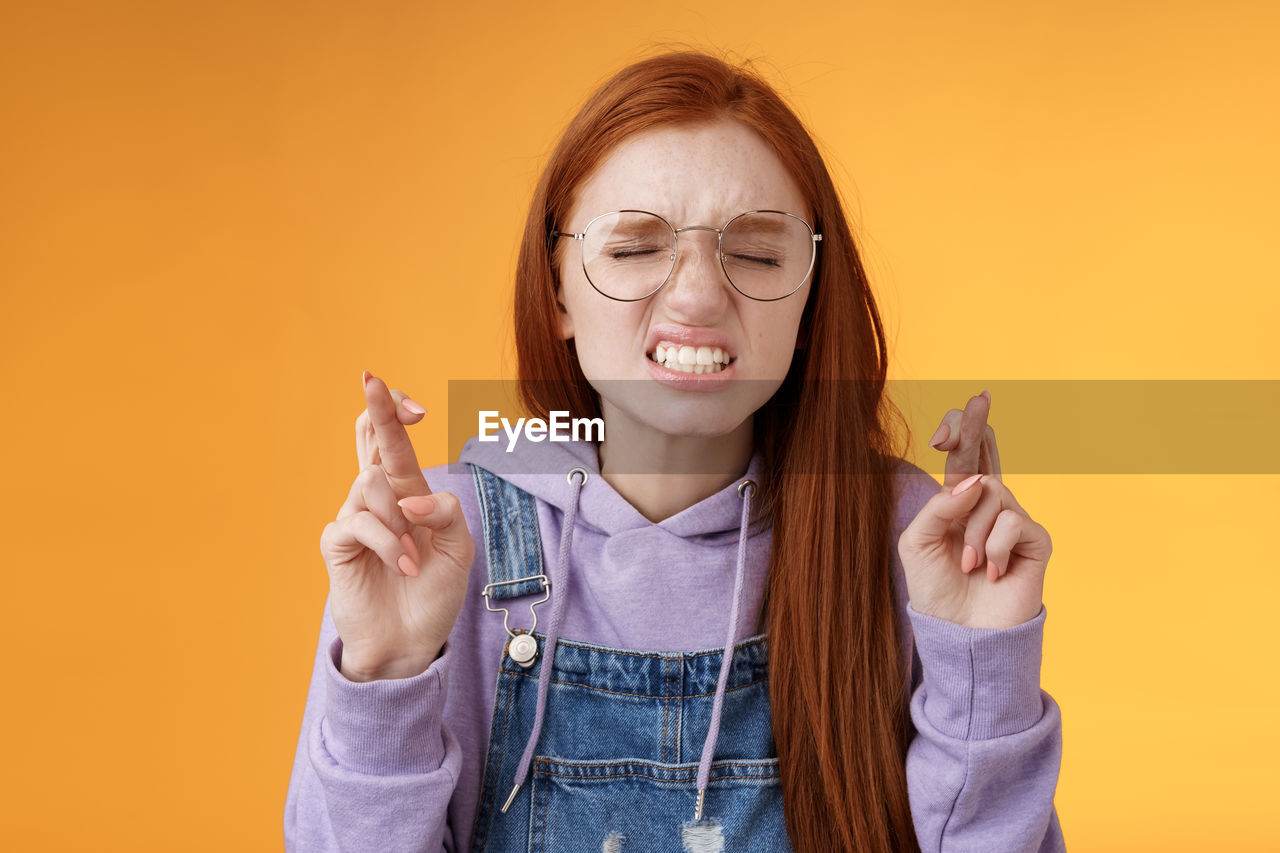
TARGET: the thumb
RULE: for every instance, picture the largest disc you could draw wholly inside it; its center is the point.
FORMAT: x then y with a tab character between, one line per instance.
935	517
441	513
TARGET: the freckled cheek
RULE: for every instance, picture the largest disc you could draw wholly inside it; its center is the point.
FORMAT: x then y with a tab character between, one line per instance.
608	337
774	349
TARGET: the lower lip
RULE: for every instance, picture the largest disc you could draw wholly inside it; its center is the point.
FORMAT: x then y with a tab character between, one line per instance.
691	381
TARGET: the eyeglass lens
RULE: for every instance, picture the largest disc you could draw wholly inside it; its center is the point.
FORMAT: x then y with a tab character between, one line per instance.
630	254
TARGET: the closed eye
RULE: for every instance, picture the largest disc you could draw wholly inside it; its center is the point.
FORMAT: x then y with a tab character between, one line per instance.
756	260
635	251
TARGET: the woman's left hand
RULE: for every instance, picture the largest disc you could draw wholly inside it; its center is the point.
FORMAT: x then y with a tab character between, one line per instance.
974	558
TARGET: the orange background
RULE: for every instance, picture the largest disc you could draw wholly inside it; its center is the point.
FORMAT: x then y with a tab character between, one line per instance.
214	215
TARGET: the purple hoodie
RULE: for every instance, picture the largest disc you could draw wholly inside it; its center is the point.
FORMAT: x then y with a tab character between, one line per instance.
397	765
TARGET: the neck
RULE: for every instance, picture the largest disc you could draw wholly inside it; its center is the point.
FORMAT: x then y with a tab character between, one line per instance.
660	474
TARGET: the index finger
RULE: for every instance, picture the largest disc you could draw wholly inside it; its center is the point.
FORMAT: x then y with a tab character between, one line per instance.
966	458
398	458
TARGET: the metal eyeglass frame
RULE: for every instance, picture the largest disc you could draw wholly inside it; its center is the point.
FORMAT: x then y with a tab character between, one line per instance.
813	258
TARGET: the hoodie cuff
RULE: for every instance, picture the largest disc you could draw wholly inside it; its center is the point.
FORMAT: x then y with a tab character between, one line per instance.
388	727
980	683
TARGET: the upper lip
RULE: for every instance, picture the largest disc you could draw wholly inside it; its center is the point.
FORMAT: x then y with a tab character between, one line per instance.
687	337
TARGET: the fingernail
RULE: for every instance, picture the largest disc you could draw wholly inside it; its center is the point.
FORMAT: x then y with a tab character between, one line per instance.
992	567
410	547
969	560
987	394
966	484
411	406
418	504
364	379
942	433
406	565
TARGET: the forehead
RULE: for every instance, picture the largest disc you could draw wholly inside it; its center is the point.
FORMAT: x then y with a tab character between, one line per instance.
691	174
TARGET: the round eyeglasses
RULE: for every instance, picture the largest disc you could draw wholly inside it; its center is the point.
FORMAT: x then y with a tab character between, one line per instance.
628	255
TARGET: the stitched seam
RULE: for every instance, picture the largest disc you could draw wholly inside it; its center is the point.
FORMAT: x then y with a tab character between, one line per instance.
496	534
537	814
530	542
968	726
666	709
692	769
500	539
968	752
482	490
513	516
490	807
680	706
640	695
681	777
655	655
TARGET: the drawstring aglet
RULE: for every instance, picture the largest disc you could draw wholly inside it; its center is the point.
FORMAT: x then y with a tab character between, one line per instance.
697	811
511	798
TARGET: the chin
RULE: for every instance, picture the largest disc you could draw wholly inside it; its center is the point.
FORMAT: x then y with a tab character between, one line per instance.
697	428
684	414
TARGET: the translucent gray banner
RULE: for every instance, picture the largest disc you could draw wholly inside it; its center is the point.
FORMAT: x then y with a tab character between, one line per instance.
1109	426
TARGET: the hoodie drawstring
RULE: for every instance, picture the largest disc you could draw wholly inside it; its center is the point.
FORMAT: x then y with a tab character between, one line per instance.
553	630
726	662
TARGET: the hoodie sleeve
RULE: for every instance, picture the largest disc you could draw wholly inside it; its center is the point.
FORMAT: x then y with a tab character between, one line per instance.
983	764
986	745
375	766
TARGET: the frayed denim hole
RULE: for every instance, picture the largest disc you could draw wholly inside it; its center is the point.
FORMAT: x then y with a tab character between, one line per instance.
702	836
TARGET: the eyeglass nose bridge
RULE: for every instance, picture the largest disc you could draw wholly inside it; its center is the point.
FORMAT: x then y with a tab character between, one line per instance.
675	254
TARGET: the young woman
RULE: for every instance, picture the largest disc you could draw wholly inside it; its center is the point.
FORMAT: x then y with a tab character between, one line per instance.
526	650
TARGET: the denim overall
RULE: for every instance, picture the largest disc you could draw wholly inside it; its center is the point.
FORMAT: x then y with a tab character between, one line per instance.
614	765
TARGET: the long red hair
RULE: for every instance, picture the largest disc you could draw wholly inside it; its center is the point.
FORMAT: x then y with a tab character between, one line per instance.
838	694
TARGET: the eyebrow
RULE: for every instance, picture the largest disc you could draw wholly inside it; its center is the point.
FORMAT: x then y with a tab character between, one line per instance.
767	226
629	229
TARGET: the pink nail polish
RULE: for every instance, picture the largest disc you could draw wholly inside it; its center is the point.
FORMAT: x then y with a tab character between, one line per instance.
411	406
418	504
410	547
364	379
406	565
969	560
965	485
940	435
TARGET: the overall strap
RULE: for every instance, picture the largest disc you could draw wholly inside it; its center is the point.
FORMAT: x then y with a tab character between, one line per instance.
511	538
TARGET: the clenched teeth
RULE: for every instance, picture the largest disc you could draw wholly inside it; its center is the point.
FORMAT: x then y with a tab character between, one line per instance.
689	359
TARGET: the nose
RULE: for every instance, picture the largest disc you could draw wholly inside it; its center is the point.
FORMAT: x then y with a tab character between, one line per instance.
698	290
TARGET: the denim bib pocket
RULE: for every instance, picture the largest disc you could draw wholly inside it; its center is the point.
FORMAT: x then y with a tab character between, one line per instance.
635	805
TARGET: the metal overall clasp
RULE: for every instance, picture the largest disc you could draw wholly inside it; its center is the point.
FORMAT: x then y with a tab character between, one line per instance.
522	647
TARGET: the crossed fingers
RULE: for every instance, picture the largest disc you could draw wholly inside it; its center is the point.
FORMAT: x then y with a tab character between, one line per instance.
993	527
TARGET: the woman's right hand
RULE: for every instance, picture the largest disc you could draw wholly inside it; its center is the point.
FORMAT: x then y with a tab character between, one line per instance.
398	554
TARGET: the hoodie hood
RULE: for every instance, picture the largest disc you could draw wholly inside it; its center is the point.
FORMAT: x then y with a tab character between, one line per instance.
541	468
